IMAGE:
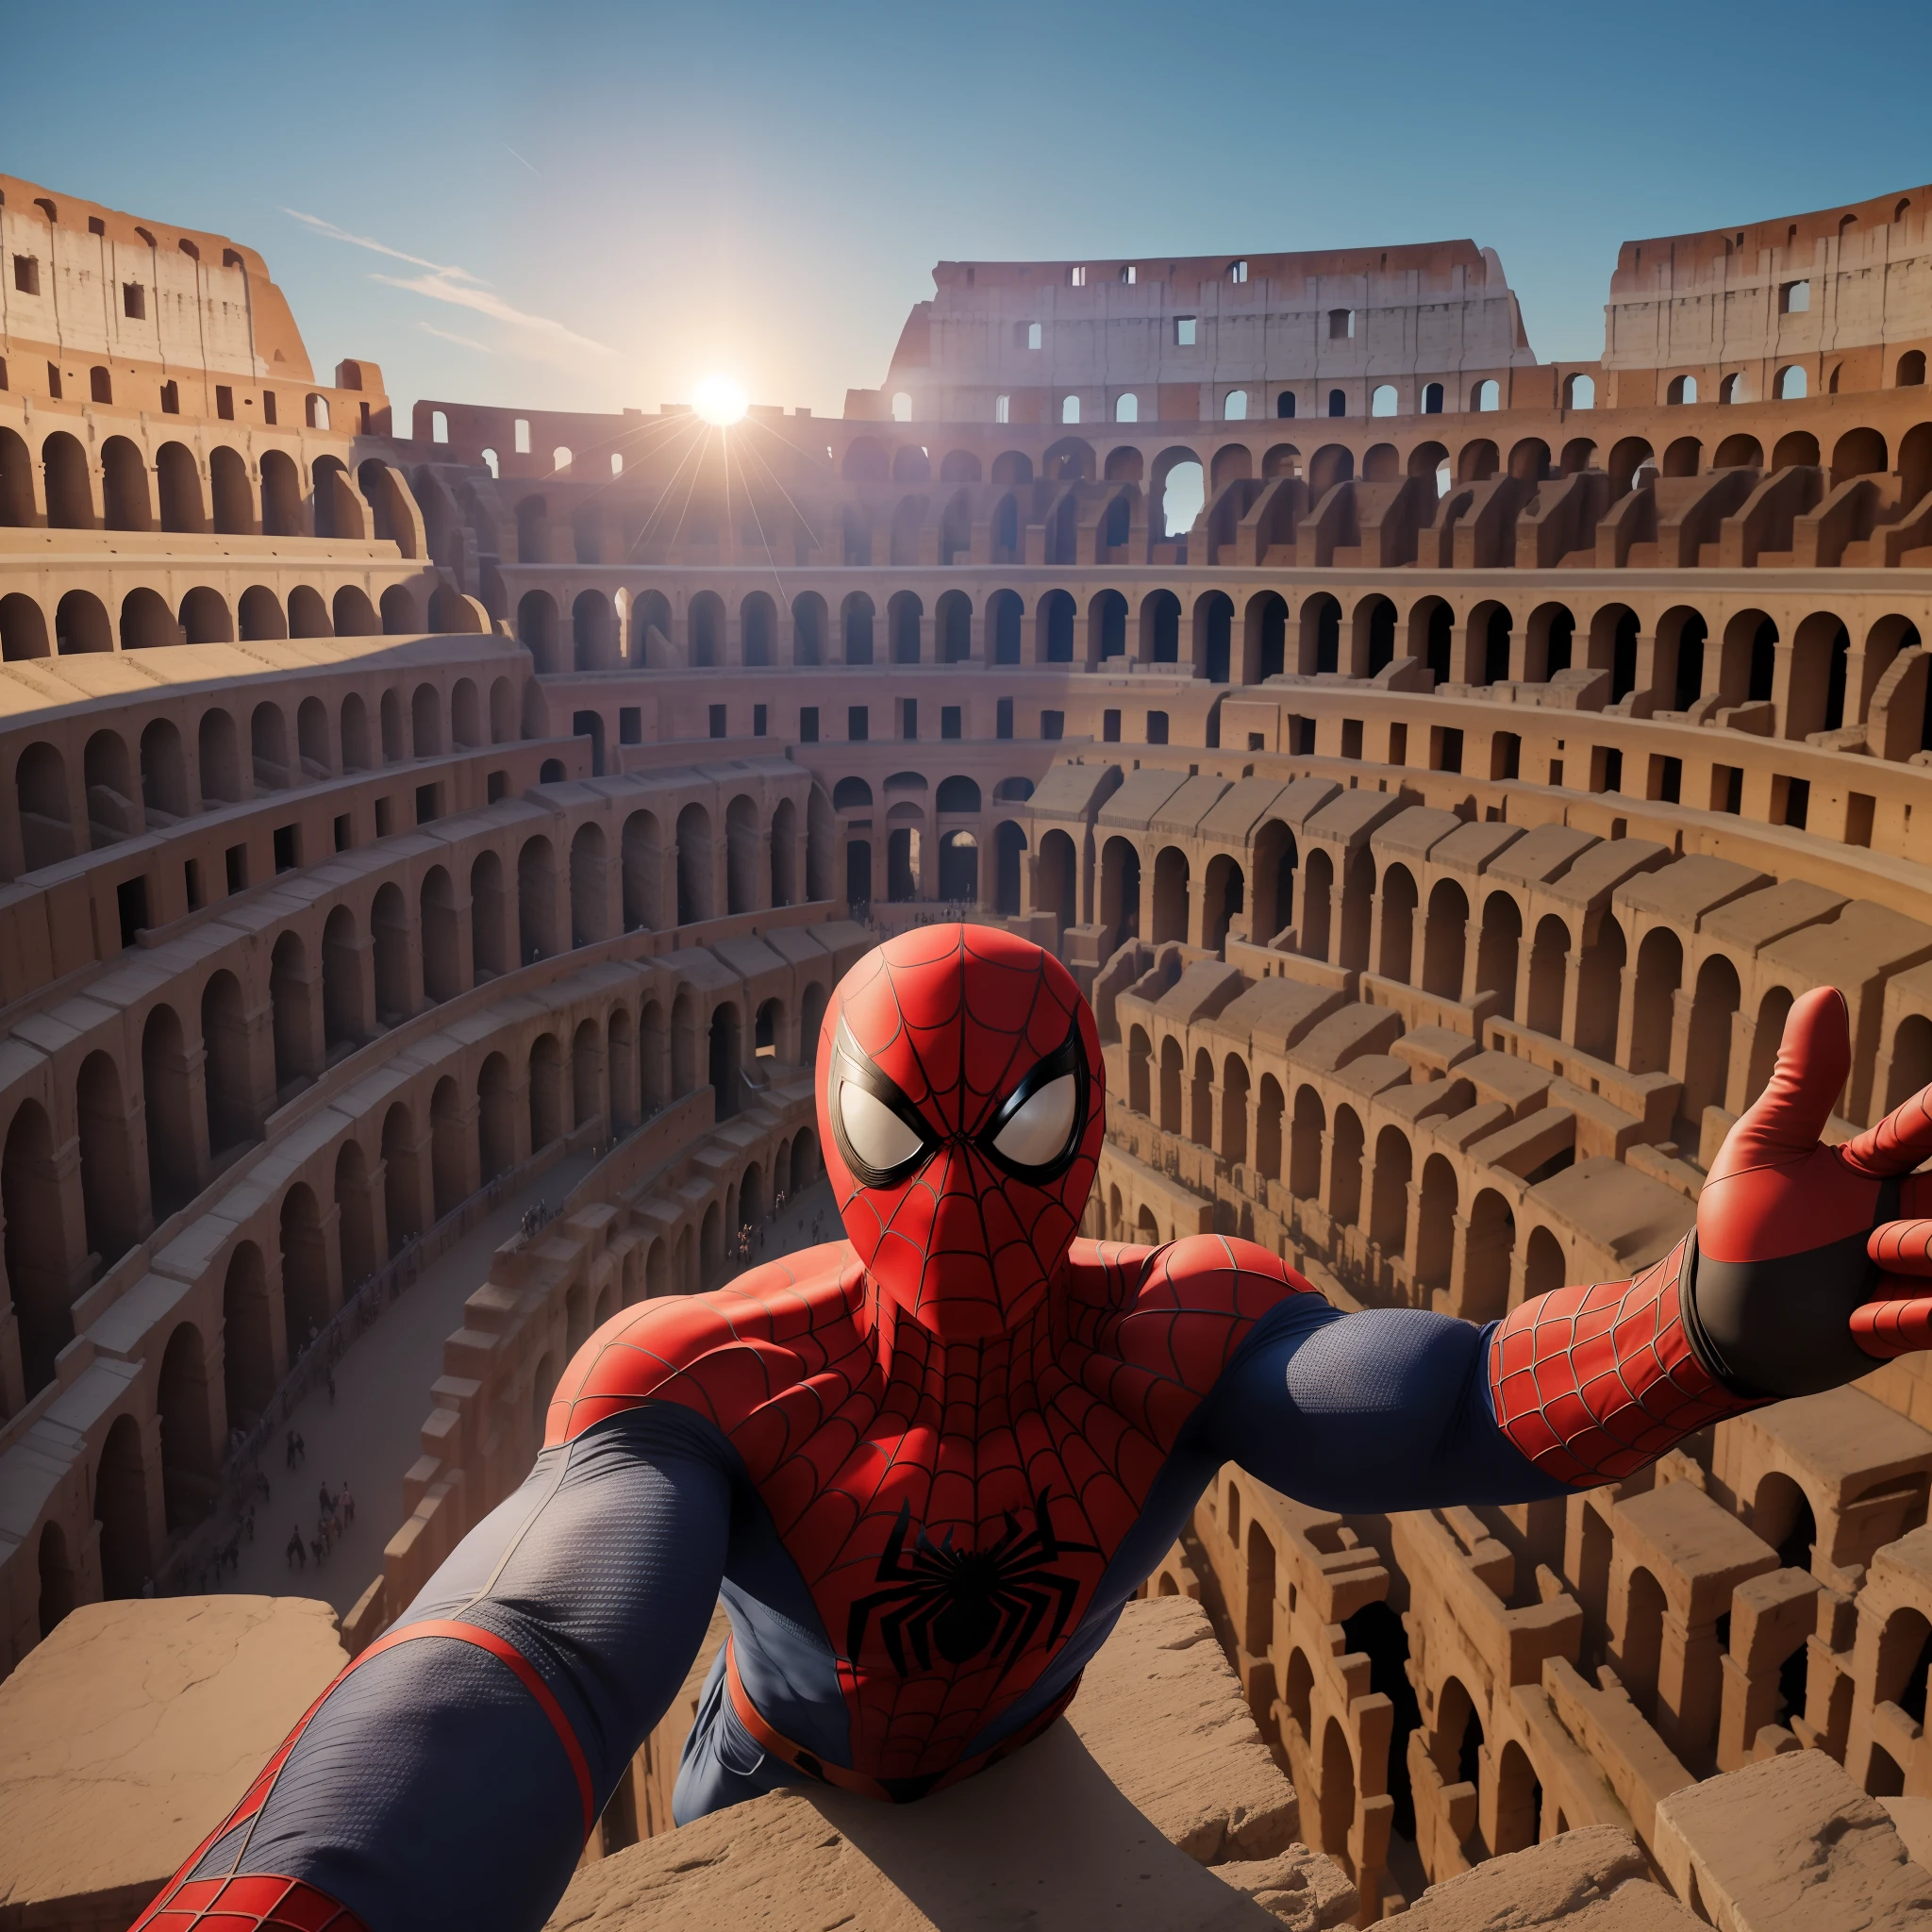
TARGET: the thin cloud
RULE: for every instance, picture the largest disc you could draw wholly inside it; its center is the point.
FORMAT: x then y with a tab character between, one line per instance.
376	247
538	330
537	336
429	328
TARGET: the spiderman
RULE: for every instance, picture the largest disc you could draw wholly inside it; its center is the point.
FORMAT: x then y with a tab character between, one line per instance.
927	1466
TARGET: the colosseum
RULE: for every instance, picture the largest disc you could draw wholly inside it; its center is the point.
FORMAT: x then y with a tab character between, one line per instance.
404	810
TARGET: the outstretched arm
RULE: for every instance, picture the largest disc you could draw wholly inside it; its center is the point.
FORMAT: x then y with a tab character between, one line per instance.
451	1775
1801	1276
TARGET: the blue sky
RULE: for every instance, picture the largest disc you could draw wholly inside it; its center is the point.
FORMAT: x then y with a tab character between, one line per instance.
600	202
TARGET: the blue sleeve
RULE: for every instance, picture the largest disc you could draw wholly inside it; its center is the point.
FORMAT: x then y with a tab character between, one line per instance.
432	1788
1384	1409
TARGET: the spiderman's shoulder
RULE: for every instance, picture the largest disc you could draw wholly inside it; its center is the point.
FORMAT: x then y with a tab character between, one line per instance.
1183	1309
722	1354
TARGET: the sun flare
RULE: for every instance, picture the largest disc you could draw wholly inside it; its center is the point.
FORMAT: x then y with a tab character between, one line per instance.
719	400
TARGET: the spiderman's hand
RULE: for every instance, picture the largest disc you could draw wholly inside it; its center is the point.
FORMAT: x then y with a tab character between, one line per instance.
1813	1261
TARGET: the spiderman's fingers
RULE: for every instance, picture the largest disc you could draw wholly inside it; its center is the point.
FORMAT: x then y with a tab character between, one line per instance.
1888	1328
1902	1247
1813	1058
1898	1143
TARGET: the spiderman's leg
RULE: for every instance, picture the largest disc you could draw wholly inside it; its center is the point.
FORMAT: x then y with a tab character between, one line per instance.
451	1775
722	1765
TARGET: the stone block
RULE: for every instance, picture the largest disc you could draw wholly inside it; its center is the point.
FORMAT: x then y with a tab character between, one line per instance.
129	1733
1164	1717
1595	1880
1790	1845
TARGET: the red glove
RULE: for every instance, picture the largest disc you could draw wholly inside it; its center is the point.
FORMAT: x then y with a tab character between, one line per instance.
1805	1271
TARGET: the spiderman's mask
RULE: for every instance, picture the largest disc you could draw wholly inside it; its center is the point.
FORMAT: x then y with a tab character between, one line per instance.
960	1109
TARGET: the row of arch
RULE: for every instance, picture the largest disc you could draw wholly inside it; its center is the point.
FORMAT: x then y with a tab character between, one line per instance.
1677	660
121	488
331	1239
168	775
80	621
197	1091
1860	451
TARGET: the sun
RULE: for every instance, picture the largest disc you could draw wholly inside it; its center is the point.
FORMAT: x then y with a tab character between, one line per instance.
719	400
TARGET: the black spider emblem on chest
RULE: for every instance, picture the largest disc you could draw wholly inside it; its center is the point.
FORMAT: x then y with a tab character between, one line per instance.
965	1602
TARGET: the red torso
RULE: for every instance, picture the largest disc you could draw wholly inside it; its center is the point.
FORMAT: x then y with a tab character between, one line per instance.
871	1444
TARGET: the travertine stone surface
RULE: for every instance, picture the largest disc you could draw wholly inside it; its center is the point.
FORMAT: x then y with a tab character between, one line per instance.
1092	1824
1305	1890
1045	1839
1161	1713
128	1734
1790	1845
1596	1880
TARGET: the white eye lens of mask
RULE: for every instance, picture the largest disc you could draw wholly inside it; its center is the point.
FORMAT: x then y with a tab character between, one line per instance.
874	1131
1038	1134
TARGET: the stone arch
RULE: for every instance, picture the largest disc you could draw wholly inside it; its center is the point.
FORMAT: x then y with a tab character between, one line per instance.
1345	1168
1600	988
1170	896
1708	1048
354	1216
39	1271
536	900
107	1166
546	1092
1544	1264
588	1079
740	855
187	1429
389	932
81	627
1490	1252
495	1118
353	614
1446	935
696	869
173	1153
305	1268
440	936
121	1508
1435	1241
231	1114
1398	924
488	918
640	863
23	628
589	898
1388	1192
248	1355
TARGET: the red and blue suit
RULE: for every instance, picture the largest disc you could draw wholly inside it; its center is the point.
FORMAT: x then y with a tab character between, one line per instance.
926	1466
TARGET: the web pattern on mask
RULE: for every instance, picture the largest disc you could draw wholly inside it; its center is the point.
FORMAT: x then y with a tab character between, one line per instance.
957	1017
